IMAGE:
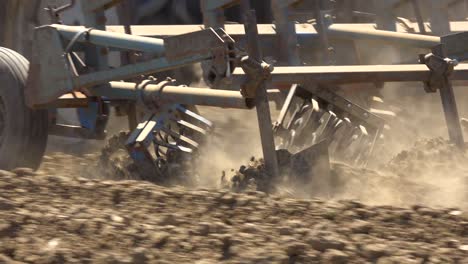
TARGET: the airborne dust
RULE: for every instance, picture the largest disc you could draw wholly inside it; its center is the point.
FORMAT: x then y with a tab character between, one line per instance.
415	166
412	165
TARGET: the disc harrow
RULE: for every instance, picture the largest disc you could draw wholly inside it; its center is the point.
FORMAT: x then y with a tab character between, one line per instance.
166	142
319	115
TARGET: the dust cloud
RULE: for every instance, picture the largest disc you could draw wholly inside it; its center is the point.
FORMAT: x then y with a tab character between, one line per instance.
414	163
235	138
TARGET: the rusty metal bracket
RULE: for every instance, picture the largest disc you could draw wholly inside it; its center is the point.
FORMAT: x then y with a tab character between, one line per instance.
49	75
257	73
217	42
153	101
440	67
186	45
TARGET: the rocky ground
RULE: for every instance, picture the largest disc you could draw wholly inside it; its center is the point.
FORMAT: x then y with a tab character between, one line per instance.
63	218
70	212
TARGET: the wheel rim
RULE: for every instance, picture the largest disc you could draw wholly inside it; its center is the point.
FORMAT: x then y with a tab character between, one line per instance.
2	120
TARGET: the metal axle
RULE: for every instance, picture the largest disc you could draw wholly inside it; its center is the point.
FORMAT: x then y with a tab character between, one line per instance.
165	93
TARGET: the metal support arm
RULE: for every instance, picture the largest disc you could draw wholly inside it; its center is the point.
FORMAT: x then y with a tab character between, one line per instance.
111	39
51	73
285	76
164	93
305	32
346	31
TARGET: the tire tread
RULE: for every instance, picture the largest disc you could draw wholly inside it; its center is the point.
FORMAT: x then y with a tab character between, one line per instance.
33	132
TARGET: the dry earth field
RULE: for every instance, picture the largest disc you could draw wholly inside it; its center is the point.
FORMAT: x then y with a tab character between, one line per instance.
67	213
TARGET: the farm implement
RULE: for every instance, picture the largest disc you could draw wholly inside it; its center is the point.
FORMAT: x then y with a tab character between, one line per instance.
304	66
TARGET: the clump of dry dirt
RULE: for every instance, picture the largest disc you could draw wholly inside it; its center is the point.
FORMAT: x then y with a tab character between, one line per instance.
247	178
64	218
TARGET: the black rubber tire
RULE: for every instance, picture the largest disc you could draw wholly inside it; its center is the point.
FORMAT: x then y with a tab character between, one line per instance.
23	138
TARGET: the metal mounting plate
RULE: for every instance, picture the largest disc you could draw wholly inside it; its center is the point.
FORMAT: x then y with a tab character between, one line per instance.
455	45
49	76
194	43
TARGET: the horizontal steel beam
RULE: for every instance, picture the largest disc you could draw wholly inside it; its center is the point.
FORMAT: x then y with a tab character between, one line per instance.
264	29
111	39
351	74
132	70
173	30
305	32
171	94
345	31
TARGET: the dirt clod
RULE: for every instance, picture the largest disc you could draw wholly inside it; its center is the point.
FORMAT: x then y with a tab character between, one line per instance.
334	256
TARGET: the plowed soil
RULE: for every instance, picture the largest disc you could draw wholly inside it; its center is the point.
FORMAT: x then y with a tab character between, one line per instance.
68	212
64	219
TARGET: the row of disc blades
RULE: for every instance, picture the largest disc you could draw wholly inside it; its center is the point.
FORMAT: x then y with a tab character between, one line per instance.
309	124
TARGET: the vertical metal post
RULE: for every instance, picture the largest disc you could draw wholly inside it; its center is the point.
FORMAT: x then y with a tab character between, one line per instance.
440	23
418	15
344	12
286	33
385	15
244	6
322	19
288	49
95	57
212	17
261	99
450	105
128	57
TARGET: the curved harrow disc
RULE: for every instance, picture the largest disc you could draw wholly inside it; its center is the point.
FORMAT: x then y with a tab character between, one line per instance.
163	145
350	130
